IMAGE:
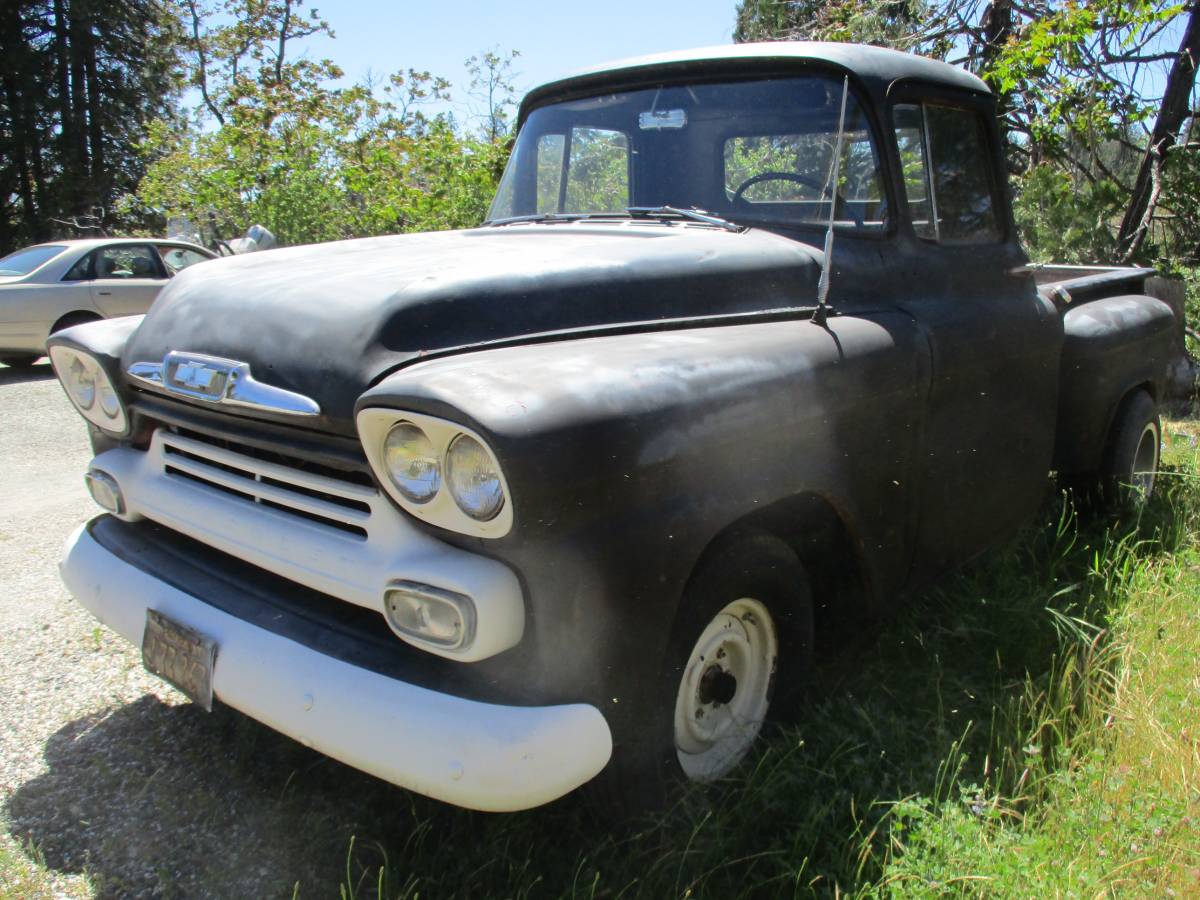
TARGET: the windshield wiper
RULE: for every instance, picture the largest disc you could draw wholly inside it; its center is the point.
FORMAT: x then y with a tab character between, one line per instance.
666	212
537	217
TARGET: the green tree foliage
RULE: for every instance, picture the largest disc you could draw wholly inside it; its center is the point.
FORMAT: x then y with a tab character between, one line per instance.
1085	88
276	142
79	82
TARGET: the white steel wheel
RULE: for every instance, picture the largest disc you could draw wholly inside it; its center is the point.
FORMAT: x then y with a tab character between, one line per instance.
1145	463
725	690
1131	460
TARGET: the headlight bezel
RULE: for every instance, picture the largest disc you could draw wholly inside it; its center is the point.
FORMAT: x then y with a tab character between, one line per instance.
66	360
441	510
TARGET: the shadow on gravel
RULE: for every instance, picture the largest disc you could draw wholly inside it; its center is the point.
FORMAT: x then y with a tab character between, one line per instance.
154	800
26	374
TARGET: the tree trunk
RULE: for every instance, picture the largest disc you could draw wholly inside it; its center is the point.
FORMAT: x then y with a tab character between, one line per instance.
77	182
1175	108
99	179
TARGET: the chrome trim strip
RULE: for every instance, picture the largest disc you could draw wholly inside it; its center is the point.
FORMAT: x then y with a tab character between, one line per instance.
223	381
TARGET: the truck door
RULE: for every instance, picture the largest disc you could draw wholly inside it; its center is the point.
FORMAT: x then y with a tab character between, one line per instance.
994	343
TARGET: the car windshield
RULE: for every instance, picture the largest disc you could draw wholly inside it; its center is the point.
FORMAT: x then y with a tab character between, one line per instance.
25	261
746	151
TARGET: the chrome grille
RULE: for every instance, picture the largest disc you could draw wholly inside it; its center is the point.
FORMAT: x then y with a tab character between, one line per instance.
315	497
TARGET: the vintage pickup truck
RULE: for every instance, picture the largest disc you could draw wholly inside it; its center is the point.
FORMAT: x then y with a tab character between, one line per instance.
747	343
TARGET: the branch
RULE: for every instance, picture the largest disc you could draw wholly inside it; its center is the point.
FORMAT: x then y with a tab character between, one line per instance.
202	70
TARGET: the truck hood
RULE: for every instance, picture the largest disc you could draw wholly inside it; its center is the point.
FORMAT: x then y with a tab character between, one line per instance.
328	320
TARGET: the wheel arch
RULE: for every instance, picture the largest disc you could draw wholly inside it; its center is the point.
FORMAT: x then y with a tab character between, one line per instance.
75	317
820	535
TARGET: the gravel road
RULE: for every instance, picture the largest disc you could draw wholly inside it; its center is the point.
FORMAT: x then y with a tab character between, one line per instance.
111	784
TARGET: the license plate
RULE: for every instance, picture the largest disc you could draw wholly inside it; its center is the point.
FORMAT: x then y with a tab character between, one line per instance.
180	656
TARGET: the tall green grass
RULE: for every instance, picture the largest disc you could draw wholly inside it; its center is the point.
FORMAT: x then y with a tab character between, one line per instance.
989	741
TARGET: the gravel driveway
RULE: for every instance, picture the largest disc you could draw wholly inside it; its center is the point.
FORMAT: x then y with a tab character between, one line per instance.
111	784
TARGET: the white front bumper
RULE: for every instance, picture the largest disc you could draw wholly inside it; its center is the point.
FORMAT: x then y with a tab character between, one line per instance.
472	754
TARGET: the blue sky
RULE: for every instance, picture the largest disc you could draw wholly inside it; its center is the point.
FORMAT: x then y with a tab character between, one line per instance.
554	39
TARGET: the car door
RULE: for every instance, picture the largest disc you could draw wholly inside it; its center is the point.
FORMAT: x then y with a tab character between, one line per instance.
127	278
994	342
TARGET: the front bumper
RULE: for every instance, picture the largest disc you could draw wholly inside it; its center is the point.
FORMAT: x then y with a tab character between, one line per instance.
466	752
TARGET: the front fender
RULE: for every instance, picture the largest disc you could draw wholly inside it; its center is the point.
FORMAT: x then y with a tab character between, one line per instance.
626	455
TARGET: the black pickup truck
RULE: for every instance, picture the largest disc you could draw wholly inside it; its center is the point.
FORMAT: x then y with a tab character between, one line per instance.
747	338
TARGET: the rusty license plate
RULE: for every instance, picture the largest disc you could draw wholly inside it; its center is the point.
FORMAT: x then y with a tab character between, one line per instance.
179	655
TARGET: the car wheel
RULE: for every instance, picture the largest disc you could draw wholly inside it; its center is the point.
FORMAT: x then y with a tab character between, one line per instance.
742	647
19	362
75	318
1131	457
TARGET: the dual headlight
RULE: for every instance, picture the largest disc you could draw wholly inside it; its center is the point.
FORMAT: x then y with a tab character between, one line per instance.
438	471
89	388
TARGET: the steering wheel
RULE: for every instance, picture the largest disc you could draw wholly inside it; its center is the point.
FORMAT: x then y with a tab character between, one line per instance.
772	175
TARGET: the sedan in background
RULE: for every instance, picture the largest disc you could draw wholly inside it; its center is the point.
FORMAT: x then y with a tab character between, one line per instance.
48	287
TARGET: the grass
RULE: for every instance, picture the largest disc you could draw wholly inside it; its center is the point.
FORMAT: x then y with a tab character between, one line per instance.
1029	728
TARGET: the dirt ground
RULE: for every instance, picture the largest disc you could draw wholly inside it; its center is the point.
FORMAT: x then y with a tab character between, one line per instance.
111	784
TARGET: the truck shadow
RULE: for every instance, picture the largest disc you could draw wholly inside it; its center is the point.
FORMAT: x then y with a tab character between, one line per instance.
151	799
41	371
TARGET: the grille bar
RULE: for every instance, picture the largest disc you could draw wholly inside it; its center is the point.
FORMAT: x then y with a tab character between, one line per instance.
347	490
311	496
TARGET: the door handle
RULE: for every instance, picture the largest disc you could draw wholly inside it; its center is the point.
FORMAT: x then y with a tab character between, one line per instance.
104	293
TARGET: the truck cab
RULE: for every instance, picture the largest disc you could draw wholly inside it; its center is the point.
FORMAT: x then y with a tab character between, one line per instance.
747	341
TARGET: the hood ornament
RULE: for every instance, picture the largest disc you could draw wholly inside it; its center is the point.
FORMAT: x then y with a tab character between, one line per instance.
216	380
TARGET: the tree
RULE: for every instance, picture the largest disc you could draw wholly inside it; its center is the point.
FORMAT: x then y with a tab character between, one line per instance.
79	82
276	142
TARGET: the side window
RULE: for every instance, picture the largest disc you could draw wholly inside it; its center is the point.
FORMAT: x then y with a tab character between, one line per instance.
597	171
127	261
177	259
82	270
947	173
550	149
910	138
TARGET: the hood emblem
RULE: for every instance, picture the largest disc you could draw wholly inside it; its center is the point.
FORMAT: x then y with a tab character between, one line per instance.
216	380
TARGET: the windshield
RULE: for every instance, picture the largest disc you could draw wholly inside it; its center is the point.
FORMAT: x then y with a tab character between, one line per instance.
25	261
747	151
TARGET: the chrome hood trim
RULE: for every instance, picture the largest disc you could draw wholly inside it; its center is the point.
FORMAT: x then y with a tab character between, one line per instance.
215	380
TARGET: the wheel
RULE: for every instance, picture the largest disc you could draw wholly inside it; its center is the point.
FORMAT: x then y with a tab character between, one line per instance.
743	639
740	648
22	361
1131	456
75	318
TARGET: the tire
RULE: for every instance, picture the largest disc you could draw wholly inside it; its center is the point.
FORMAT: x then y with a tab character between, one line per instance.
741	646
1131	457
19	362
75	318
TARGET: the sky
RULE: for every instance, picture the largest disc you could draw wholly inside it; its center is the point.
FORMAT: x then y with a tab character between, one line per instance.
554	39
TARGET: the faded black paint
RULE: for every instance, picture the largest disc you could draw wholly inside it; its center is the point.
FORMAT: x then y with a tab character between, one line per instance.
635	428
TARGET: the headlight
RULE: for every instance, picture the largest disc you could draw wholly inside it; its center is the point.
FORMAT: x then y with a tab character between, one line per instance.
474	479
89	388
437	471
412	463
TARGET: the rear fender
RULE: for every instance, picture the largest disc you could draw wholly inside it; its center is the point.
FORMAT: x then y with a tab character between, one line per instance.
1113	345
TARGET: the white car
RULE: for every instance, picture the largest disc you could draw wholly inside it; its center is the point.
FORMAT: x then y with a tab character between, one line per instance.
51	286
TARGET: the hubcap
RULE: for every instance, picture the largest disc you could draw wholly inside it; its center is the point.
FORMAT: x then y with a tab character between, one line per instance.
725	689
